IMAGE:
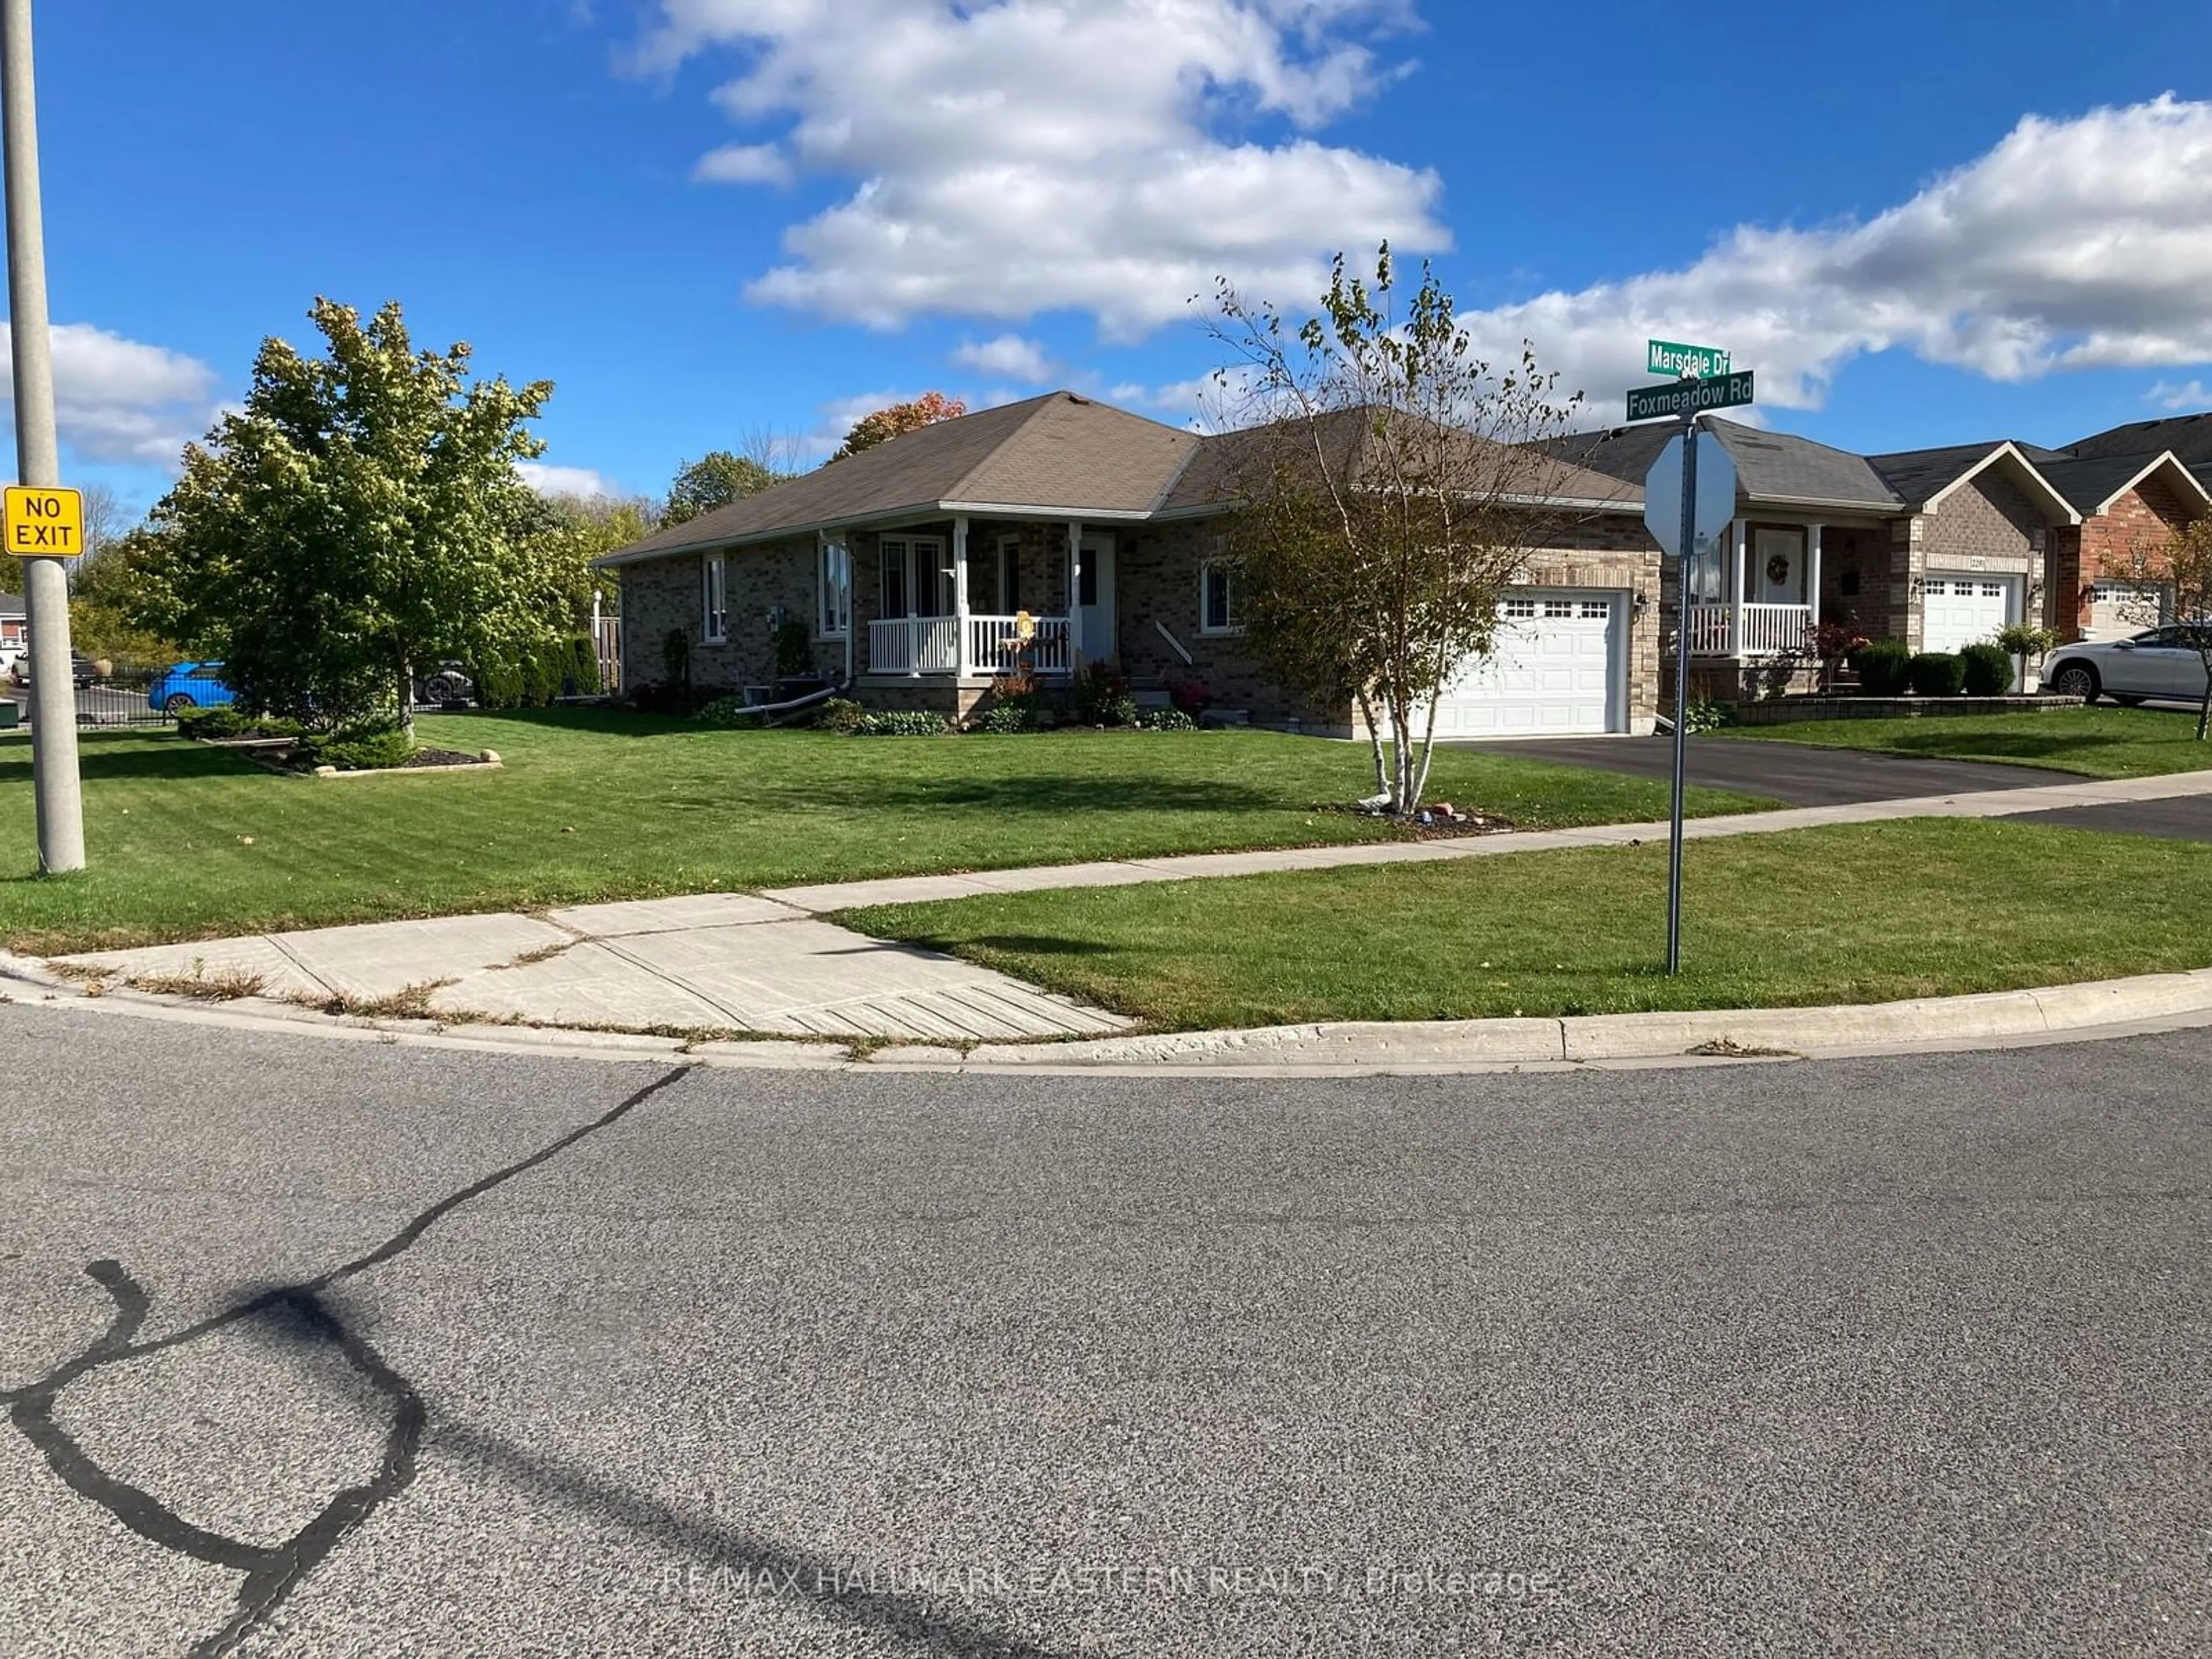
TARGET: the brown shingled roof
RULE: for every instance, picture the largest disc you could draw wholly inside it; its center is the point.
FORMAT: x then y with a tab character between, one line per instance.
1060	452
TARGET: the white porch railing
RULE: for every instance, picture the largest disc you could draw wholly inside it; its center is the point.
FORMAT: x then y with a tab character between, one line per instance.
931	645
914	645
994	644
1748	630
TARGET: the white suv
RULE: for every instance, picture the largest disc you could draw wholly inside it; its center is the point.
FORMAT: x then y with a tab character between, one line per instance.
2161	662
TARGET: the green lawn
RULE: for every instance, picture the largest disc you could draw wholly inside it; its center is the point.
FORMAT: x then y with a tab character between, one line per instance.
2103	743
187	842
1859	914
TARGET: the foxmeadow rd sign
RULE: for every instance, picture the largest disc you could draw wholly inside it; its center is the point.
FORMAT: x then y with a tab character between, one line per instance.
1686	362
1652	402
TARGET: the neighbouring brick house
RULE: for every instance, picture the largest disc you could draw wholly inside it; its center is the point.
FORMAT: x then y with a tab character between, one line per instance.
15	620
914	563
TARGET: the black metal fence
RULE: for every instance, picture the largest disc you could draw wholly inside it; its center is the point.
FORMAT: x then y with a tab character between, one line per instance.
108	702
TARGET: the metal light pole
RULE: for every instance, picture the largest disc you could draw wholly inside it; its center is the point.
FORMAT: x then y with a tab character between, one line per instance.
38	459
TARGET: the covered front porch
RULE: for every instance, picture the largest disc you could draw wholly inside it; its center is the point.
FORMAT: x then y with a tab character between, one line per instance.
979	600
1759	598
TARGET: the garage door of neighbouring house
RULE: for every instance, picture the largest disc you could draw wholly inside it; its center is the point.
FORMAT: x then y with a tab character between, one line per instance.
1559	667
2117	610
1964	610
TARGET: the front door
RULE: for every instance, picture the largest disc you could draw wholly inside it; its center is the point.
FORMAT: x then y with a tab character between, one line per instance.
1094	600
1777	566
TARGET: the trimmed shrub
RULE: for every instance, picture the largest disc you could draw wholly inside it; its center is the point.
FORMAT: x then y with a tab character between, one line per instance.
228	720
839	715
357	748
1936	674
1882	668
794	649
730	711
1986	670
1165	720
1007	718
905	723
1101	696
1190	695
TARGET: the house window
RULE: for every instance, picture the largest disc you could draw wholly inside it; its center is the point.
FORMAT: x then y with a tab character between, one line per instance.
715	603
1519	609
916	574
1220	607
1559	607
1010	576
835	588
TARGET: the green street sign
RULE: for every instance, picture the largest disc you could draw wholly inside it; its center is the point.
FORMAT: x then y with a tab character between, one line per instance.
1652	402
1686	362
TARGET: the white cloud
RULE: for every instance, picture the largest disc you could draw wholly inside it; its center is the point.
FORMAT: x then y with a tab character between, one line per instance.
743	164
118	400
1010	357
2078	244
2167	395
1028	155
581	481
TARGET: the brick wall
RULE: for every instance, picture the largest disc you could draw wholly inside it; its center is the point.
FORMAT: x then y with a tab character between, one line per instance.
2139	524
1987	525
1157	582
664	594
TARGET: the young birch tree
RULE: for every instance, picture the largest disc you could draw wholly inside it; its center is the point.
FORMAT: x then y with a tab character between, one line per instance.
2182	564
1392	486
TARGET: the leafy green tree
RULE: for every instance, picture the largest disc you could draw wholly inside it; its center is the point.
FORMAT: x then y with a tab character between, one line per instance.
1393	488
897	420
574	529
714	480
2183	564
358	519
115	601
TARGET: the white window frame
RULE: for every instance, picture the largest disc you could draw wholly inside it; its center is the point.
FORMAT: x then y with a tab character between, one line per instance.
832	582
1231	623
713	600
925	557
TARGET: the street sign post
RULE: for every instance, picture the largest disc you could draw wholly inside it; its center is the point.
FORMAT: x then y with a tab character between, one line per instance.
44	523
1682	399
1691	361
1689	500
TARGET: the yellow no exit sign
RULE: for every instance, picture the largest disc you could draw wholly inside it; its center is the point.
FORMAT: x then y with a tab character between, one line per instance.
45	524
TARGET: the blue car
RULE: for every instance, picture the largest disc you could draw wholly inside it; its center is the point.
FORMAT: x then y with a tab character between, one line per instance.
188	685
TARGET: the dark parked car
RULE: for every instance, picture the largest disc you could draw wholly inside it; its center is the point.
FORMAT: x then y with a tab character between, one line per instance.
81	669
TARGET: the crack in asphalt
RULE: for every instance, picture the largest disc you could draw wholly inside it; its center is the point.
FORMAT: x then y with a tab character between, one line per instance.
272	1571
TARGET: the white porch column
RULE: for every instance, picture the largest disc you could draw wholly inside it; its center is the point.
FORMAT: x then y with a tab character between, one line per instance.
1074	591
1814	536
960	598
1740	584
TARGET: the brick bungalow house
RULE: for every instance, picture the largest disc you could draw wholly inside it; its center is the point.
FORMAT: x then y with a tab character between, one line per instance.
910	563
1938	547
2136	484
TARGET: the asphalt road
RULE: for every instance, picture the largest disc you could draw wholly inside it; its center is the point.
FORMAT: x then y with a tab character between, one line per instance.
1799	774
1884	1358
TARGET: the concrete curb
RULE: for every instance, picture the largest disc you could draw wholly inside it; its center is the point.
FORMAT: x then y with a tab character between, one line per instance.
2089	1010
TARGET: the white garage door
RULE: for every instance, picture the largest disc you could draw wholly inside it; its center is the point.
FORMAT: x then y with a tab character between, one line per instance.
2118	610
1964	611
1558	668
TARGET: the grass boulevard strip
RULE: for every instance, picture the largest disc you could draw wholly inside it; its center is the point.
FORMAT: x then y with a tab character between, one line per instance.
1852	914
190	842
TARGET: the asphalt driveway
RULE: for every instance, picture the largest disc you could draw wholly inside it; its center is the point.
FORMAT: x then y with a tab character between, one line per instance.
1801	775
2184	818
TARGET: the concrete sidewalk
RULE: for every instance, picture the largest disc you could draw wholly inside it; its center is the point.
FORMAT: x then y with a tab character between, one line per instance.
767	963
715	961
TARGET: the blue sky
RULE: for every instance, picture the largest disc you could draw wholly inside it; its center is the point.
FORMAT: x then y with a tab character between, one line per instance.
706	220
